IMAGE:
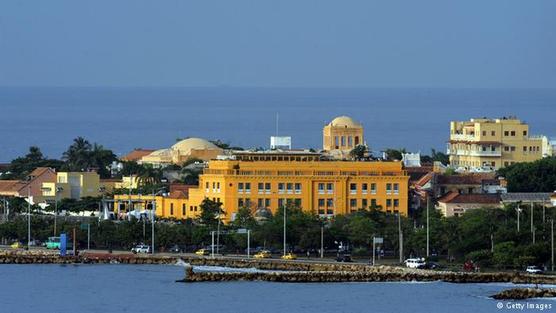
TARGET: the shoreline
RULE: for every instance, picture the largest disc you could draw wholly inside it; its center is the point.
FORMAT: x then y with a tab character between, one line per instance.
285	271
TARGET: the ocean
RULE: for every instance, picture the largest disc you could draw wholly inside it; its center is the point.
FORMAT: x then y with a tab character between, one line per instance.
152	288
126	118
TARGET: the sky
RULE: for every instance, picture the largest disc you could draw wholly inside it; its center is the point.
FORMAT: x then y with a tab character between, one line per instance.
280	43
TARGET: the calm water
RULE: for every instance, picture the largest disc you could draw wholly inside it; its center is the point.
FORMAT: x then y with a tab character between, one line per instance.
126	118
128	288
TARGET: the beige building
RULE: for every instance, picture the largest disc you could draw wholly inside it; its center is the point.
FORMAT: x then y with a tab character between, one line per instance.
492	143
72	185
341	135
456	204
183	151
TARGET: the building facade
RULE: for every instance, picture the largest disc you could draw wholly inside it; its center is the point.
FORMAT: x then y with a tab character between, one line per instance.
182	151
72	185
341	135
492	143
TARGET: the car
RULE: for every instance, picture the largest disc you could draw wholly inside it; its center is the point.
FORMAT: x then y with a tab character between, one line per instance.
343	256
141	249
175	249
264	254
202	252
289	256
16	245
432	265
415	263
534	270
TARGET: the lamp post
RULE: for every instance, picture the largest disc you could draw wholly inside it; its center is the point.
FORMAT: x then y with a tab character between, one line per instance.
400	237
518	210
428	232
532	226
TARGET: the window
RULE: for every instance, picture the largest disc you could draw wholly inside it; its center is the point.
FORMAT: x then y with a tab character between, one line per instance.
506	148
506	163
506	133
492	148
524	133
191	208
388	189
240	187
330	188
183	209
364	203
484	133
289	187
373	189
240	203
330	203
260	203
261	188
248	203
396	189
267	188
171	209
350	141
321	203
297	202
336	142
321	188
524	149
388	203
343	141
512	133
373	203
353	188
493	133
396	203
297	188
364	188
281	187
352	203
266	203
247	187
281	203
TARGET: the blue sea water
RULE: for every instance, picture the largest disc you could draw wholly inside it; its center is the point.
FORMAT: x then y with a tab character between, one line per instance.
126	118
145	288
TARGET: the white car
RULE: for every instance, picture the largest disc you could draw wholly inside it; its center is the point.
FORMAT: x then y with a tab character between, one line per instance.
415	263
141	249
533	270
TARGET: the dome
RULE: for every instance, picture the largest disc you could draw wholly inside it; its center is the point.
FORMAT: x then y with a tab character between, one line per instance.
185	146
344	121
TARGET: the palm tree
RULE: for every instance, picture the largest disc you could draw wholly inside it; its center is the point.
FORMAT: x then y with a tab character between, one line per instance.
77	156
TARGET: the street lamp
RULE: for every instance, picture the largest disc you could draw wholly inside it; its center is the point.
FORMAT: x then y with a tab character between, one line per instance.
28	217
518	210
56	192
285	209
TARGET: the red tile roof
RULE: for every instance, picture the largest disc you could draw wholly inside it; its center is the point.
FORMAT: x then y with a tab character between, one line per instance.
454	197
136	154
40	171
465	179
180	191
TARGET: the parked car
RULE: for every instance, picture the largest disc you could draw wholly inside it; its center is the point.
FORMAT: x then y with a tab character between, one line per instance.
16	245
415	263
289	256
432	265
141	249
343	256
534	270
175	249
202	252
264	254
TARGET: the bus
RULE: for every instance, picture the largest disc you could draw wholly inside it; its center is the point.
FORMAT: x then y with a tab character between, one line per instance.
55	243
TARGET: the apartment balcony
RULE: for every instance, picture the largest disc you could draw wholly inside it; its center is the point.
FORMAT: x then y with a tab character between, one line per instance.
462	137
475	153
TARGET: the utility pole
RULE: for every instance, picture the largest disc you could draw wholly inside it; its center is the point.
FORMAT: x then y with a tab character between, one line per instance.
218	234
552	241
28	217
428	232
153	217
88	236
248	243
212	245
322	241
532	227
400	237
285	209
518	211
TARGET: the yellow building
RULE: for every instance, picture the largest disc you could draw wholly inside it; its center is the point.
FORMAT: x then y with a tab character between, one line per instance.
492	143
74	185
275	179
127	182
325	188
341	135
183	151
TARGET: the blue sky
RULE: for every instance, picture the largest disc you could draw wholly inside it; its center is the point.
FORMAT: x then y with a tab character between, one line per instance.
299	43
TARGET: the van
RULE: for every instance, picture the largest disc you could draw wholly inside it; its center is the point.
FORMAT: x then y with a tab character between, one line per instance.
415	263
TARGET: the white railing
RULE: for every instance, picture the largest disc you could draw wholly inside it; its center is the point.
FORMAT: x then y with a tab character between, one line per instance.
462	137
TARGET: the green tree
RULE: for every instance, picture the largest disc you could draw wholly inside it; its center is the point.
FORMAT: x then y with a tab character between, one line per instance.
211	211
358	152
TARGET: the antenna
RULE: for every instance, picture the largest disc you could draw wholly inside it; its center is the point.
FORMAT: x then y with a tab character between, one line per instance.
277	116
